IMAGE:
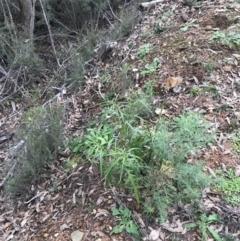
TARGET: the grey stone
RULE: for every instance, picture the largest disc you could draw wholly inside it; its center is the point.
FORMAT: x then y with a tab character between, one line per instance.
77	235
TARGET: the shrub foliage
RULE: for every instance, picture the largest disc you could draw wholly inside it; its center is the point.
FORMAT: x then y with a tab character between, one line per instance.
41	131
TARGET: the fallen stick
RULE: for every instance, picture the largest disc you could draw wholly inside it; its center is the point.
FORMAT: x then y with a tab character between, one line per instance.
149	5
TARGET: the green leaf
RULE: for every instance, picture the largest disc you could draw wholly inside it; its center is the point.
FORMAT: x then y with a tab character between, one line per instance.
190	225
126	213
135	188
117	229
115	212
212	218
132	228
215	235
77	148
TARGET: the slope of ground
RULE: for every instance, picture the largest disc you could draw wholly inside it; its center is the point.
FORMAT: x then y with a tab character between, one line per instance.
186	50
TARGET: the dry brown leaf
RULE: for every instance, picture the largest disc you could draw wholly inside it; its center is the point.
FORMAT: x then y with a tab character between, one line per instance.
102	212
228	151
64	226
237	172
210	170
6	225
154	234
171	82
100	200
74	198
227	68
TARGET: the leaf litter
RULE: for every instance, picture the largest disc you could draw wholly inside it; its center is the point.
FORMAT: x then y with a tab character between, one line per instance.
193	73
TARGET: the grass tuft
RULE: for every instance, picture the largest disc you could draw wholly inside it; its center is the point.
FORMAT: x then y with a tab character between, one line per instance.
149	161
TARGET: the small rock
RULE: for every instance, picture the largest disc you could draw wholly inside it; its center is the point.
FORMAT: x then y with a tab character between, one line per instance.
77	235
45	235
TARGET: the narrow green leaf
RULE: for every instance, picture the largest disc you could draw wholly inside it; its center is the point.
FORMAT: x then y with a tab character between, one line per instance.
212	218
215	235
190	225
135	188
117	229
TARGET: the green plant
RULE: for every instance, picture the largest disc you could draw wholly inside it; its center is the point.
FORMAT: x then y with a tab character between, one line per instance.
209	66
194	90
144	50
94	144
230	38
203	223
123	215
150	68
236	142
171	184
160	22
124	27
77	55
211	89
41	131
124	77
186	26
148	161
105	76
229	184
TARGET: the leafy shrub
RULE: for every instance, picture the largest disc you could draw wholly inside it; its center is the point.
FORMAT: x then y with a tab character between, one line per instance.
41	131
124	27
18	52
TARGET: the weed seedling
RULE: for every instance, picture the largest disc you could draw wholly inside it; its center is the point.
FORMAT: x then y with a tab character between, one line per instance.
203	223
150	68
194	90
186	26
160	23
209	66
123	215
230	39
236	142
229	184
144	50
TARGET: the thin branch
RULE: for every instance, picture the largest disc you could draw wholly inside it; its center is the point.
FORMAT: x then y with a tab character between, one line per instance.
9	173
149	5
50	32
11	18
113	12
32	20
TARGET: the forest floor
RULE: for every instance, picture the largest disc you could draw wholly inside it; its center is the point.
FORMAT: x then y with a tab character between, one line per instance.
197	51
